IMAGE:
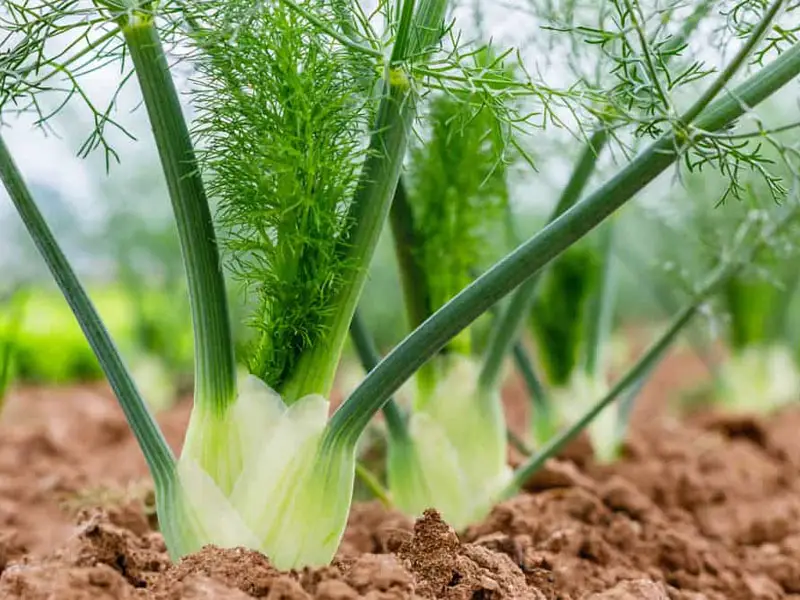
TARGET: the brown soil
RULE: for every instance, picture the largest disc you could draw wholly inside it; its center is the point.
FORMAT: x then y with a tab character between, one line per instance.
704	508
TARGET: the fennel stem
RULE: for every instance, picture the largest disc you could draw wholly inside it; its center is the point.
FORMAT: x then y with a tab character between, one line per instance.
373	485
369	357
157	453
353	415
372	199
412	277
543	418
215	370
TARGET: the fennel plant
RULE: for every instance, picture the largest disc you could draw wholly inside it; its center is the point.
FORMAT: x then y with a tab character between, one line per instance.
444	218
263	466
579	378
572	310
759	371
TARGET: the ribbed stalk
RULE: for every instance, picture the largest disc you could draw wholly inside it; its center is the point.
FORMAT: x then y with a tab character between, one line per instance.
368	212
215	372
524	364
156	451
369	357
412	277
352	416
505	330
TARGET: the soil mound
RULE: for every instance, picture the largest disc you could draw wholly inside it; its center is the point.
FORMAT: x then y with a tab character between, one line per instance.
703	508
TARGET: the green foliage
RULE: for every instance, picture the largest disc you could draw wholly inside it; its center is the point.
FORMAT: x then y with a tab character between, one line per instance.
161	329
282	133
149	270
558	320
50	348
15	309
458	193
50	345
457	189
749	303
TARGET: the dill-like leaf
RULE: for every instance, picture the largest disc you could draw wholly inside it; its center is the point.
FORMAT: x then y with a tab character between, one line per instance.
51	49
559	312
282	135
458	190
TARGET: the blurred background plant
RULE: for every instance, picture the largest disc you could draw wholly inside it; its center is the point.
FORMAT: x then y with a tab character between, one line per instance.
137	285
749	339
13	314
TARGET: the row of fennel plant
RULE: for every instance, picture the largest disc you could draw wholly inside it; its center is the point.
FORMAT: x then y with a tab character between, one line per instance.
305	110
454	456
573	308
570	313
755	313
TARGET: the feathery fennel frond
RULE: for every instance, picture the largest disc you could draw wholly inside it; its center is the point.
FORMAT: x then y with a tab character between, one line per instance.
644	69
458	190
50	48
479	74
282	134
639	73
558	318
740	17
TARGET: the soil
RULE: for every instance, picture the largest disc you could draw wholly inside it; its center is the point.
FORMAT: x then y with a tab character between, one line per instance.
703	507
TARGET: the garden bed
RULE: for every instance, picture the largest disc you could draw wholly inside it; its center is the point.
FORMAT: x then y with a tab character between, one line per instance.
705	507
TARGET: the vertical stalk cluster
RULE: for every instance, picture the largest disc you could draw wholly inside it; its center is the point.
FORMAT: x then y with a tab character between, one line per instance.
215	381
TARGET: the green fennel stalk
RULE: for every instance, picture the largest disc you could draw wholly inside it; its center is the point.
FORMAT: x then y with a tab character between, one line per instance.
506	328
215	384
576	222
369	357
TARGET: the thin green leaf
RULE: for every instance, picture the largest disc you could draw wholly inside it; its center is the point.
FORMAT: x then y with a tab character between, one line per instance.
156	451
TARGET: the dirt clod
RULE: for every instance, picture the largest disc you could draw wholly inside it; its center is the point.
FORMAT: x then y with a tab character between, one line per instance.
238	568
431	555
640	589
